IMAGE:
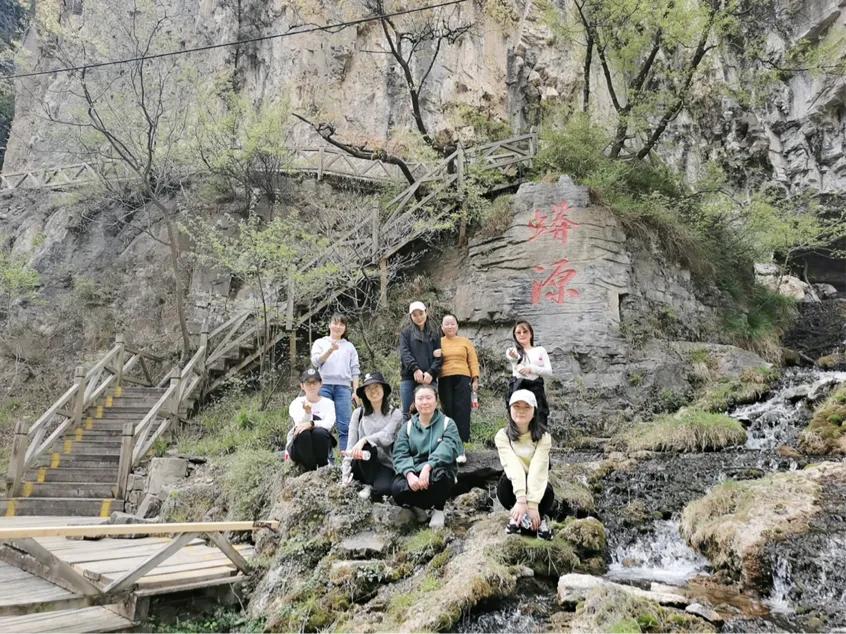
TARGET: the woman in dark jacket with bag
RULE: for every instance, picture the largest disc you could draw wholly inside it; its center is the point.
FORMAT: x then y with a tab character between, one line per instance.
420	354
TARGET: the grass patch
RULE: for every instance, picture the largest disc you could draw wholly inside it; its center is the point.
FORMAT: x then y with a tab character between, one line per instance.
421	546
248	483
826	433
688	430
486	421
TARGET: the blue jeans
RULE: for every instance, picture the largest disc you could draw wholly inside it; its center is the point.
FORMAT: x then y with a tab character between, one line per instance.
407	395
341	395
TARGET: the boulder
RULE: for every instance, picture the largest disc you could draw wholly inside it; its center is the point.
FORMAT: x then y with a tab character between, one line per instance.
709	614
165	472
392	516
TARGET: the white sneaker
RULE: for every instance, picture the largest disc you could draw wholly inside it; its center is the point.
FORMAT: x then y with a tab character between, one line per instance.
364	494
462	459
438	519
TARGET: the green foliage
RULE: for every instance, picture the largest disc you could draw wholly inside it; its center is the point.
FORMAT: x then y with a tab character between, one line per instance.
248	483
237	423
686	430
723	394
423	545
764	317
486	421
496	217
221	620
486	124
502	11
17	279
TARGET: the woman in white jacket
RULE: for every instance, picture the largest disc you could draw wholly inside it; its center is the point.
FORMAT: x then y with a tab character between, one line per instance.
529	366
310	439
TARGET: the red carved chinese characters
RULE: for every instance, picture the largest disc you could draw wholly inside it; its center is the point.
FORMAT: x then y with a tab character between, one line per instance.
555	286
556	282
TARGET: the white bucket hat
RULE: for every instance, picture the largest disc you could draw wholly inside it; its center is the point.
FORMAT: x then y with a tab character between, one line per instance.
526	396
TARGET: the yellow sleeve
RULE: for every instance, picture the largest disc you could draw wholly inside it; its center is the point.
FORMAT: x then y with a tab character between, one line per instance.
538	476
511	464
472	360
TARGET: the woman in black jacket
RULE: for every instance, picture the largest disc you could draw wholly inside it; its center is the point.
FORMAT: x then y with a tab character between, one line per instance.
420	354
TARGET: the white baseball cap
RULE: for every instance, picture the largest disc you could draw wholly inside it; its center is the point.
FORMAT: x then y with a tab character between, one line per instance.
524	395
416	306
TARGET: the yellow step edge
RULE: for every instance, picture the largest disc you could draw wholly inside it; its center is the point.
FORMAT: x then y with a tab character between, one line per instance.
41	476
68	445
89	423
118	391
98	413
10	508
27	489
108	401
78	434
106	508
55	460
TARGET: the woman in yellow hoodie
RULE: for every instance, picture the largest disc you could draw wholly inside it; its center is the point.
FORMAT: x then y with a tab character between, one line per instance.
523	448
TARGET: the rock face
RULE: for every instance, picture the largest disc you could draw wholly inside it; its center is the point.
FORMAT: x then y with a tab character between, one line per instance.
618	321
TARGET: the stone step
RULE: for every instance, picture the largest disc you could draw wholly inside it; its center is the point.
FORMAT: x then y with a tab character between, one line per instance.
142	391
69	473
97	433
69	489
86	507
118	417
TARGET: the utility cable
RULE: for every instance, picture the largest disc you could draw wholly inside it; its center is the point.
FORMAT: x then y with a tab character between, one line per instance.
311	29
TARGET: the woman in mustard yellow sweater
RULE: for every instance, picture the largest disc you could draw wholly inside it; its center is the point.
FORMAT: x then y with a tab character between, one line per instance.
523	448
459	376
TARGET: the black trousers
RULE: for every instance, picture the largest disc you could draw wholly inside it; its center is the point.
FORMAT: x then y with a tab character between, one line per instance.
535	386
455	393
374	473
440	486
505	494
311	448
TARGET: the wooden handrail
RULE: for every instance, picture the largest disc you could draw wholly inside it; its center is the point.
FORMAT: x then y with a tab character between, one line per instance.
61	402
101	364
99	530
154	411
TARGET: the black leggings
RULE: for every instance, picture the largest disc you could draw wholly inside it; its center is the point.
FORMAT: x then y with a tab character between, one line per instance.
374	473
535	386
310	448
440	485
455	392
505	494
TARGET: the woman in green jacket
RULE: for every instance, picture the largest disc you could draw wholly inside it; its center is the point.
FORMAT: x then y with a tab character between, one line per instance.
425	454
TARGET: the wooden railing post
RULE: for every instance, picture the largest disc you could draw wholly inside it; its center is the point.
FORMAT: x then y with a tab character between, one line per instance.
125	464
17	461
374	231
289	323
459	170
383	282
79	400
320	163
120	342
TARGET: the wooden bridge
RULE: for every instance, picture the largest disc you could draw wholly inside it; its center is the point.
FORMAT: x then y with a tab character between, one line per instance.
320	161
59	576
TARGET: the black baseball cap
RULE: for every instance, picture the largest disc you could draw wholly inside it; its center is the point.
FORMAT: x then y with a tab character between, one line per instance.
310	375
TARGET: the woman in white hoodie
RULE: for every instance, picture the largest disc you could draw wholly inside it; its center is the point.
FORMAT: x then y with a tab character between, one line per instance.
310	439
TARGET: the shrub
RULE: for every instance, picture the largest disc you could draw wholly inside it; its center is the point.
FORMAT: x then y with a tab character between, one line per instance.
248	482
687	430
826	432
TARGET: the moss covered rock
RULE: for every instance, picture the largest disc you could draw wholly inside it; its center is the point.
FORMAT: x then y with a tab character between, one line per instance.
735	521
826	433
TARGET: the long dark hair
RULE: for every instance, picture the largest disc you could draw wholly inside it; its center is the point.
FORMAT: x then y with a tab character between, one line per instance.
430	328
368	406
517	346
537	427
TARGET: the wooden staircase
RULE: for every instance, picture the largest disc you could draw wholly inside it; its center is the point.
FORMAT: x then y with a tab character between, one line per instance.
78	474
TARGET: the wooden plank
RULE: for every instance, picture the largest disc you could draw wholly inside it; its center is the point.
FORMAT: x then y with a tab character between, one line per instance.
29	555
183	587
93	530
234	556
192	576
91	619
130	577
194	555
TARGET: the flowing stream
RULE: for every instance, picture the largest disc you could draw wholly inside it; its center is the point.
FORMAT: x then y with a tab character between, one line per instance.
663	485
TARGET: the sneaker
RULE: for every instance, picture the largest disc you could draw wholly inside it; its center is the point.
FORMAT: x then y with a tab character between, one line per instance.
462	459
421	515
438	519
544	531
512	528
364	494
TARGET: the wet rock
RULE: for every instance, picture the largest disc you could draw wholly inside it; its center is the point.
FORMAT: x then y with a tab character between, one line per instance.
825	291
365	544
476	500
573	588
709	614
482	467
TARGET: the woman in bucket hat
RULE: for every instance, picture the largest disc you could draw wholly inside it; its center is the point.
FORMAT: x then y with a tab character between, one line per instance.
373	428
523	448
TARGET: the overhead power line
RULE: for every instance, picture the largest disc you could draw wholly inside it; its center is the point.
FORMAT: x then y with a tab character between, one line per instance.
275	36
